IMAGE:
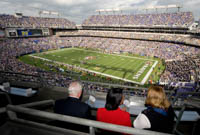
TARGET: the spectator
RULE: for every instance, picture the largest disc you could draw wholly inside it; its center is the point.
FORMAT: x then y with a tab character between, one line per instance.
112	113
72	105
159	115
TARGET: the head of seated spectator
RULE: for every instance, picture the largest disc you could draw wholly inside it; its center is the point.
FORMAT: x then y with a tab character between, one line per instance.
157	98
75	89
114	98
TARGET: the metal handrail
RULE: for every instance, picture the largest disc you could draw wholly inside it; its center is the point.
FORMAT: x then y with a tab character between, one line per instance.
80	121
114	85
38	103
179	94
34	104
7	96
3	109
193	103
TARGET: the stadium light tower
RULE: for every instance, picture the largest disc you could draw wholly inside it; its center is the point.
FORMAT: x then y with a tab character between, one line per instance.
46	12
108	10
163	7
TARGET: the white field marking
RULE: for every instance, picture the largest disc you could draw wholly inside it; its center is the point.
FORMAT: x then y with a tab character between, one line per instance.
141	71
138	65
58	50
40	58
120	64
142	82
149	72
121	58
128	69
116	63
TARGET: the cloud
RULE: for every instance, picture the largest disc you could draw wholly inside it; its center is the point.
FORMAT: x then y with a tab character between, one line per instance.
35	5
122	4
193	5
78	10
70	2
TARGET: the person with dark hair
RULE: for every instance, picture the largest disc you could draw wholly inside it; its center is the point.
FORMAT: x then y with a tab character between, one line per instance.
112	113
159	115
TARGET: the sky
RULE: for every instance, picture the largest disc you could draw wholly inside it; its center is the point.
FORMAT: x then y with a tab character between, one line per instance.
78	10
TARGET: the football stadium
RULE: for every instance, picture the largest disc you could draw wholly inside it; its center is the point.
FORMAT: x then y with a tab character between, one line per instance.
114	56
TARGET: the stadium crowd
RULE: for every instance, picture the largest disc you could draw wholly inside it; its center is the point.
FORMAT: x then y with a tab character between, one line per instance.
178	19
12	48
167	51
10	21
181	70
176	38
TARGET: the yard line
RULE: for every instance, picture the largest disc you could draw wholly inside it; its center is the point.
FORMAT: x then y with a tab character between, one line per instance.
149	73
116	65
136	69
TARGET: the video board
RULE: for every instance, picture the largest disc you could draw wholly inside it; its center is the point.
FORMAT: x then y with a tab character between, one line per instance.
26	32
29	32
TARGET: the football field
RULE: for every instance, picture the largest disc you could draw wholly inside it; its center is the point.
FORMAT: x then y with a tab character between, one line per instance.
127	68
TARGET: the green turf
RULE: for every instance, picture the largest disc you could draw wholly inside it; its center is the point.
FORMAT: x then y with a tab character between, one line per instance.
115	65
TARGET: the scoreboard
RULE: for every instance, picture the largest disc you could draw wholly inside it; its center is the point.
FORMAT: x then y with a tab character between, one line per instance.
26	32
29	32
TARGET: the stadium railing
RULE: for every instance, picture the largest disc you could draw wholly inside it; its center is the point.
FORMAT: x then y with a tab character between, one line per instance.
187	94
22	109
3	109
33	104
192	102
7	97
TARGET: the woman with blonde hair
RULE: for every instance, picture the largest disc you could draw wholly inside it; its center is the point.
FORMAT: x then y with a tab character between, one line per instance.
159	115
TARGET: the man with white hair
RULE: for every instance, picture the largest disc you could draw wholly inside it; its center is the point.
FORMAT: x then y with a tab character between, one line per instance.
72	106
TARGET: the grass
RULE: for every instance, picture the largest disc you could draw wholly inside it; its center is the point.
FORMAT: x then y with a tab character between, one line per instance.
120	66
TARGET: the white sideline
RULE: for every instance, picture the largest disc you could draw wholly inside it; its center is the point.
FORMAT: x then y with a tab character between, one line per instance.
142	82
149	73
